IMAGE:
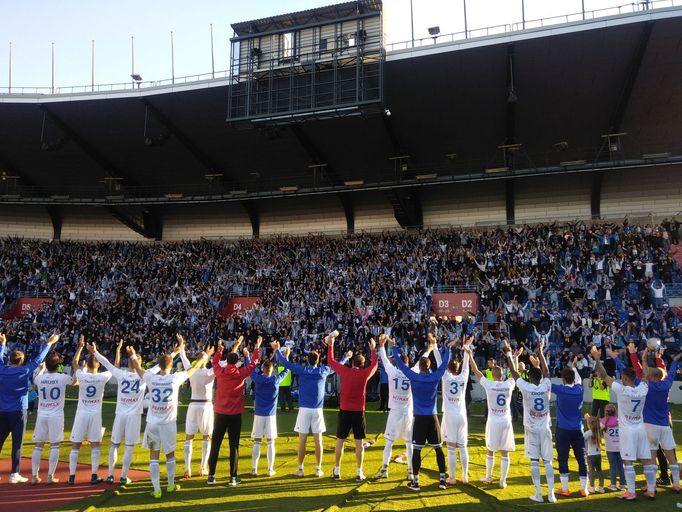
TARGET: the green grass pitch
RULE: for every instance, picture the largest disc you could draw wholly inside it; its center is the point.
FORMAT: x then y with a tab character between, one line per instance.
285	492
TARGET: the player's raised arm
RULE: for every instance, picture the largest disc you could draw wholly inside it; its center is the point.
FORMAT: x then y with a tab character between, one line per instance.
474	367
382	352
596	355
117	359
510	359
331	360
409	373
40	357
103	360
135	361
201	361
180	349
245	371
634	360
77	355
543	361
645	365
433	347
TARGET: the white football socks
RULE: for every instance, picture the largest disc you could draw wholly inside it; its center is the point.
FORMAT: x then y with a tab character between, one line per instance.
154	474
113	458
35	460
255	455
187	450
73	461
127	460
271	455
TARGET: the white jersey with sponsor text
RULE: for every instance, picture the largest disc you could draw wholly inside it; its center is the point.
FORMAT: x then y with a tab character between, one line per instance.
454	390
131	387
201	383
498	395
130	395
163	396
399	390
51	392
91	390
630	404
536	404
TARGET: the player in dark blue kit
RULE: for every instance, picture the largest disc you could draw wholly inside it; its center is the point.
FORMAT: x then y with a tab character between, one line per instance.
265	408
569	434
14	375
425	428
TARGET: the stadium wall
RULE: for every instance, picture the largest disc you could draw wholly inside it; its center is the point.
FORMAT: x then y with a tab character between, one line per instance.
638	193
302	215
656	191
373	212
547	198
466	204
88	223
224	220
26	222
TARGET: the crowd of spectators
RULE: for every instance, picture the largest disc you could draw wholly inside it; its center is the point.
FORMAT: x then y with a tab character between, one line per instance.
573	285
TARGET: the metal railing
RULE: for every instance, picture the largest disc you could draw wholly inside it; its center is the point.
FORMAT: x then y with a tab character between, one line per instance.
575	17
120	86
619	10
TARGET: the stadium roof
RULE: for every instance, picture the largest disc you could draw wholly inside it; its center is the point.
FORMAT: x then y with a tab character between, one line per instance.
296	19
451	108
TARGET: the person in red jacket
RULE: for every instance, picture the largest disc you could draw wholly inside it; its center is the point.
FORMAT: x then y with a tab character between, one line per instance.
352	407
229	405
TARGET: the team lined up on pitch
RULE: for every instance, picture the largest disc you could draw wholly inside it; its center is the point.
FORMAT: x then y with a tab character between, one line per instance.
642	422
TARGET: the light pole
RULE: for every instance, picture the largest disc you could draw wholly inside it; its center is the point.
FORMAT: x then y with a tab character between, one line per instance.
92	66
132	58
466	31
52	68
212	61
172	59
412	22
9	88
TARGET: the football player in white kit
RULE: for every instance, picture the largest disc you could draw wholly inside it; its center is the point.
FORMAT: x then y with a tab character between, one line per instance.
499	433
399	421
161	431
49	427
129	405
455	427
88	420
634	443
199	417
536	419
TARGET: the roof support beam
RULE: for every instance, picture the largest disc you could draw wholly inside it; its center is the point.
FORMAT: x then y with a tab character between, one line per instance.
315	155
630	79
407	206
349	209
510	114
95	154
595	196
153	224
56	218
253	210
125	219
510	201
209	164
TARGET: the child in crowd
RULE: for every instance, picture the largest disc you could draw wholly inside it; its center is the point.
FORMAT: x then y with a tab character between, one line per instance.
593	448
609	427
